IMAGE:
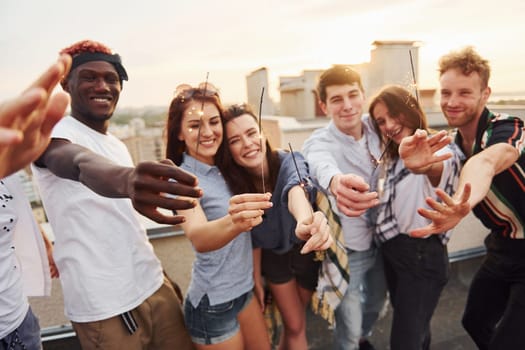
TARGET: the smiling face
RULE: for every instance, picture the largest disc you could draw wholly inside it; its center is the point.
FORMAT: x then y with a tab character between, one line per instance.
390	127
201	145
344	104
94	88
247	146
463	98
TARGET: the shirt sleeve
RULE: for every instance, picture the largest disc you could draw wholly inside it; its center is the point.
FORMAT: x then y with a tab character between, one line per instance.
505	129
319	156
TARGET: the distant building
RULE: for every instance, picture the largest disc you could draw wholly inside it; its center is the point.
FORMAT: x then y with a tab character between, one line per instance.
147	144
298	96
390	63
143	143
255	81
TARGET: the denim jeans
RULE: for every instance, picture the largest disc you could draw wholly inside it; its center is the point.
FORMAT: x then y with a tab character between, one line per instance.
363	300
26	336
214	324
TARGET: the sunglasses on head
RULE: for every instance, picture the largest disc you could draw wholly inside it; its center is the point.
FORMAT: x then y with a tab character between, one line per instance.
239	109
186	91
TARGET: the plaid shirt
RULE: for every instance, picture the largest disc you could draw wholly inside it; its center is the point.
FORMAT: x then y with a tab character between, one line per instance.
404	192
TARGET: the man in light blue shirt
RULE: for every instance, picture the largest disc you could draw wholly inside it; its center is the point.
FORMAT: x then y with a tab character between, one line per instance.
342	157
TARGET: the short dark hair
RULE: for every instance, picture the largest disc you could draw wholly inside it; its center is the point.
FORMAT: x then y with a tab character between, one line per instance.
337	75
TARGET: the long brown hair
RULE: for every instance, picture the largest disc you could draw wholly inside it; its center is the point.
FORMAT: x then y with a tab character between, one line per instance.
174	146
238	179
401	105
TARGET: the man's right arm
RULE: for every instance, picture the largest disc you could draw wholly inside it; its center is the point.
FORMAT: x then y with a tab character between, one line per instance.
350	191
146	184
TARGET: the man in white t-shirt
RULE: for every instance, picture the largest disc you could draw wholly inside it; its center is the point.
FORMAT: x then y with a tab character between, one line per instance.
25	126
115	293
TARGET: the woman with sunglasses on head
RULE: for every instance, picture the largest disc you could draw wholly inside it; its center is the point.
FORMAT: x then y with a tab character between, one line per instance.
416	269
220	311
249	164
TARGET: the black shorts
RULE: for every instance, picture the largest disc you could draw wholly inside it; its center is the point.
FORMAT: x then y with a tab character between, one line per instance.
277	268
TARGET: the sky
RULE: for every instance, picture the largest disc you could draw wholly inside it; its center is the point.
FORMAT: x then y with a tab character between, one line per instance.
164	43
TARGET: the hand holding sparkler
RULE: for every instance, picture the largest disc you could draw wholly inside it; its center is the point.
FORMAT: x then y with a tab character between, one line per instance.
149	182
313	227
352	194
315	231
246	210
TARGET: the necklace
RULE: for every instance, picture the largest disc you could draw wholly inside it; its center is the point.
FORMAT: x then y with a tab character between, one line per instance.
377	178
375	162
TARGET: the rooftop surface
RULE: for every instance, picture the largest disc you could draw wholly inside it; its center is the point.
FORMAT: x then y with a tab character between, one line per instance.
447	332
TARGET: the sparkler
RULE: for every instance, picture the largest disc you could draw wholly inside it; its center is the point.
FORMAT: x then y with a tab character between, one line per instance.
260	139
414	81
201	113
302	182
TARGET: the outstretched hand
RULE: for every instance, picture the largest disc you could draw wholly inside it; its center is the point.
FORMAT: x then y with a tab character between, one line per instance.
352	194
26	121
154	185
246	210
315	231
445	215
418	150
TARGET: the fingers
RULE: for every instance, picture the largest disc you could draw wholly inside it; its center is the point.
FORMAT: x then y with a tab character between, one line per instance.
250	197
52	76
421	232
440	158
166	169
356	202
153	186
14	112
447	200
350	212
320	241
253	202
9	136
319	231
147	199
354	182
161	218
55	111
439	140
246	210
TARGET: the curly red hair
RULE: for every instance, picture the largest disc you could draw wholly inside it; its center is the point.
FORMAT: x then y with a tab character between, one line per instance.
86	46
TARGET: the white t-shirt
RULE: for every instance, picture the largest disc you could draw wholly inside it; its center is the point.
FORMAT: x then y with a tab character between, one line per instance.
13	302
107	264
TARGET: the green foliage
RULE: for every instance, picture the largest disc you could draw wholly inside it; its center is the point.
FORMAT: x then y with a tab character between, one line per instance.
154	116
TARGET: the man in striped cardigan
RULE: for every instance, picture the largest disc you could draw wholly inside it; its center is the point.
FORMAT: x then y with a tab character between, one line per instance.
492	184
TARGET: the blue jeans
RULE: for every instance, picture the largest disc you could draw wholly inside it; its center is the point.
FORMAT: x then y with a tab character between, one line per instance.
214	324
363	301
26	336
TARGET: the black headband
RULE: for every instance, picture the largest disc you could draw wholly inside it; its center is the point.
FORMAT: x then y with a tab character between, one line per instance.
99	56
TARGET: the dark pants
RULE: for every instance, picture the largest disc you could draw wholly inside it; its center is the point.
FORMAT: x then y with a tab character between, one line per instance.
495	312
416	272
